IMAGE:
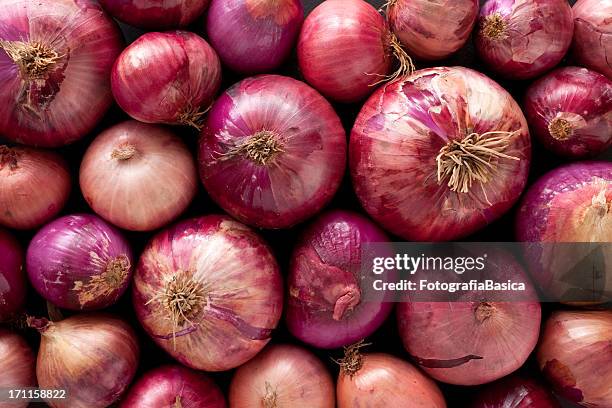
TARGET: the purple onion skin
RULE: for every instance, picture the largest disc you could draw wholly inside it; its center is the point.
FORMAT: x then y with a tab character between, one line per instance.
325	307
17	366
531	38
515	392
79	262
155	14
13	287
592	46
254	36
174	386
575	97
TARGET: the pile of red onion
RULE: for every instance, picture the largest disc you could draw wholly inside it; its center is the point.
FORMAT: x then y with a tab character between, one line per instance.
592	45
17	366
12	277
155	14
515	391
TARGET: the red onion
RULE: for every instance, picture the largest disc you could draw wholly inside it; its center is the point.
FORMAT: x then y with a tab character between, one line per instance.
593	35
17	366
575	354
174	386
34	186
138	176
79	262
209	292
515	392
91	356
570	111
345	48
432	30
273	151
412	154
156	14
325	307
254	36
13	288
521	39
55	64
282	376
167	77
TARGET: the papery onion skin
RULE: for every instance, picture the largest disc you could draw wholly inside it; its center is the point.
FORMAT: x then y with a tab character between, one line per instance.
592	45
254	36
234	291
515	392
17	366
282	376
174	386
169	77
79	262
156	14
13	288
273	151
521	39
92	356
59	102
432	30
575	354
34	186
402	129
138	176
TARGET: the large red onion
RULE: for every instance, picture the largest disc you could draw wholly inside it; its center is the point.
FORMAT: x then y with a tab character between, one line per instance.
34	186
515	392
273	151
13	287
55	63
156	14
570	111
174	386
593	35
282	376
575	354
254	36
169	77
17	366
79	262
138	176
521	39
439	154
432	30
209	292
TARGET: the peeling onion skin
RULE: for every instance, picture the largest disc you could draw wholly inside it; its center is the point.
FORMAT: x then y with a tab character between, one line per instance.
169	78
282	376
575	354
529	37
300	168
432	30
398	134
515	392
13	286
70	96
17	366
592	45
174	386
575	99
156	14
143	187
79	262
34	186
238	286
254	36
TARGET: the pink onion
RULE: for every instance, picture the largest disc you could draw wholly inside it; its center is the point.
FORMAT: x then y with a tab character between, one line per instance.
174	386
432	30
139	177
515	392
209	292
55	64
34	186
575	354
156	14
521	39
407	163
13	287
254	36
570	111
167	77
593	35
17	366
273	151
282	376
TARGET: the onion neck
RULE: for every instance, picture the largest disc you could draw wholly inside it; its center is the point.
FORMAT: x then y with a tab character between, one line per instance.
494	27
270	398
34	59
352	361
484	311
41	324
560	129
260	148
124	152
350	297
9	157
405	66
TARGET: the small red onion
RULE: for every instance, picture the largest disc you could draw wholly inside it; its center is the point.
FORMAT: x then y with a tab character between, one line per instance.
55	63
17	366
515	392
174	386
593	35
156	14
34	186
575	354
273	151
209	292
254	36
282	376
13	288
407	163
79	262
570	111
167	78
521	39
137	176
